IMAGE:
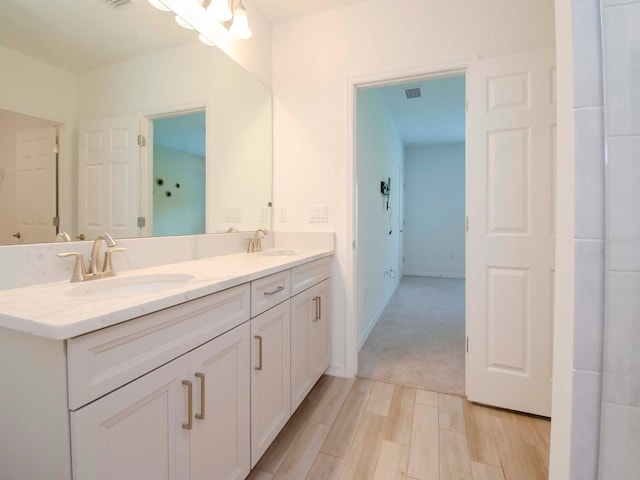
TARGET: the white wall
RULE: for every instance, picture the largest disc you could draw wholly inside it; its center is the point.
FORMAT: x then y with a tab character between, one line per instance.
379	156
315	56
434	231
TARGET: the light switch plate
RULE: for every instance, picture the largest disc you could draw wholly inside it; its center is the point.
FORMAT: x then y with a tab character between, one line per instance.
318	213
232	214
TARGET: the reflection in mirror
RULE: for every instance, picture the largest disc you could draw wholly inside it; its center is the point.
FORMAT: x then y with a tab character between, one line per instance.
105	79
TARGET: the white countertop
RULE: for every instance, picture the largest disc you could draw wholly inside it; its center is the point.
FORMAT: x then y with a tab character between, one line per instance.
47	310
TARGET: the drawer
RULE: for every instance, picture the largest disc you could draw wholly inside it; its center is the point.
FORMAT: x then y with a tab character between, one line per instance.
101	361
307	275
269	291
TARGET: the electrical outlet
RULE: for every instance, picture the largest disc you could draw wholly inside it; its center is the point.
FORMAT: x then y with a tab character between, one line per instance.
263	215
282	215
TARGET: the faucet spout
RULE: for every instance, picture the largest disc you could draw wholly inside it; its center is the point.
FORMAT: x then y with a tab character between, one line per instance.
95	264
255	243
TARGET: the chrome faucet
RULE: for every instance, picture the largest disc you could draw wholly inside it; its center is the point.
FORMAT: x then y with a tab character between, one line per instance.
97	268
255	243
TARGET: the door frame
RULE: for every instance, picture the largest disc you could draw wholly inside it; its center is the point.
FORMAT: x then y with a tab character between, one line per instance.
448	68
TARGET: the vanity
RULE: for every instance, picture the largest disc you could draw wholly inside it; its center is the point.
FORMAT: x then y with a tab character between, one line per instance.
194	377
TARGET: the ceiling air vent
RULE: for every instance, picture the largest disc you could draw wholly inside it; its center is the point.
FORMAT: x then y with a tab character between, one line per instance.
117	3
412	93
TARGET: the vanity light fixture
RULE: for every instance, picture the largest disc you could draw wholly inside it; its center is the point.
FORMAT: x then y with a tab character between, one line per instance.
240	25
231	15
219	10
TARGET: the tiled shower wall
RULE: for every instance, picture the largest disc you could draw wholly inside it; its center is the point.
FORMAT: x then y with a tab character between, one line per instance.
620	433
589	239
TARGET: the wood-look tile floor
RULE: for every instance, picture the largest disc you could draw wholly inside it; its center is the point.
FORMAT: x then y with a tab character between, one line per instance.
354	429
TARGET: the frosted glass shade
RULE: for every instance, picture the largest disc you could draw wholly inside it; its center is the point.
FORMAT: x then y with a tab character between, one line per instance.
219	10
159	5
183	23
240	26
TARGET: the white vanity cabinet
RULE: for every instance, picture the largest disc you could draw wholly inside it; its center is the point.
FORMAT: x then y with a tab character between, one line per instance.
310	327
270	360
188	418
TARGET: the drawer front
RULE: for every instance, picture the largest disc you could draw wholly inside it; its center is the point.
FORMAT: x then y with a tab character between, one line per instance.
309	274
102	361
269	291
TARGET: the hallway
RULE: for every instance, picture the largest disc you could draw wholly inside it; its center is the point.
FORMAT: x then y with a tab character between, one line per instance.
419	340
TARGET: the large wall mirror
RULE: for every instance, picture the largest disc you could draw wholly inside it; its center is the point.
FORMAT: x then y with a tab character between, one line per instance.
113	118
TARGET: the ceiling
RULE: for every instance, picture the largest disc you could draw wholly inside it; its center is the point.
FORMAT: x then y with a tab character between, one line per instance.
437	116
276	10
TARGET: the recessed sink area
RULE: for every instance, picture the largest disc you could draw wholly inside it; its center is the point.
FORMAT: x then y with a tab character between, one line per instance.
126	286
280	252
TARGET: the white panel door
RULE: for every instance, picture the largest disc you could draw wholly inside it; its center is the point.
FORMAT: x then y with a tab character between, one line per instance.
109	177
510	241
270	377
136	431
36	152
221	436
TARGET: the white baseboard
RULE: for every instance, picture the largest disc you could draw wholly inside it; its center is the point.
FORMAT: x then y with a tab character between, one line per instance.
376	317
433	274
336	370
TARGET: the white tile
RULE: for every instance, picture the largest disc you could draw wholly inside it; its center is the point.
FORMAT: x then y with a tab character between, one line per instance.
620	434
589	305
622	358
585	424
622	62
589	156
587	53
623	203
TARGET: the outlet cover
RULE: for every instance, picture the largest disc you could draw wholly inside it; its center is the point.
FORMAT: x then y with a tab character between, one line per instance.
282	215
318	213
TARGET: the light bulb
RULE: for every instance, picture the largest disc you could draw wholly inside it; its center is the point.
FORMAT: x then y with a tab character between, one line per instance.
240	26
219	10
180	21
206	41
159	5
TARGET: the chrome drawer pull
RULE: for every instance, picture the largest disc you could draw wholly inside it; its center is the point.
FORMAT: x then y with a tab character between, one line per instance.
317	301
277	290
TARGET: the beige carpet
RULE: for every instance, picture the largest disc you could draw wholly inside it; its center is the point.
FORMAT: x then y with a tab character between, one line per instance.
419	340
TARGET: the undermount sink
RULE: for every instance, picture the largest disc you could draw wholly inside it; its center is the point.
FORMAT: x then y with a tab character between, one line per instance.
125	286
280	252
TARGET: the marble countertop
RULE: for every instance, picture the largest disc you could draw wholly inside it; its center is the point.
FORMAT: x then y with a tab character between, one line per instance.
48	310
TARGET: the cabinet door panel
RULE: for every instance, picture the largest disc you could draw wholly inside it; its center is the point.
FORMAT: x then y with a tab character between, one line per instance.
270	385
136	431
220	442
310	348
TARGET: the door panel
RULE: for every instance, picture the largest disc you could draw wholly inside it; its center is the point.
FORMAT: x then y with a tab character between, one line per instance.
109	178
36	184
510	241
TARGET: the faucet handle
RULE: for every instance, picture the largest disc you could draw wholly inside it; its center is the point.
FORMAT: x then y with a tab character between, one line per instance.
107	267
79	269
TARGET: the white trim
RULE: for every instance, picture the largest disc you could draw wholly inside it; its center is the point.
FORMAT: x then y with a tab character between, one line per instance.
376	319
434	274
336	370
447	67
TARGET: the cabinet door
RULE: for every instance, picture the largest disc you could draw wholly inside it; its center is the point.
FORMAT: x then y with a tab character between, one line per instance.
270	372
310	355
136	431
220	439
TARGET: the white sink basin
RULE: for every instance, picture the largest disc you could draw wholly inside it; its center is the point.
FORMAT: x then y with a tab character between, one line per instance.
279	252
125	286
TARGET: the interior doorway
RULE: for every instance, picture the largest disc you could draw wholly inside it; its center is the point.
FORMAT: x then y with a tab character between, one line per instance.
29	150
178	178
410	265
